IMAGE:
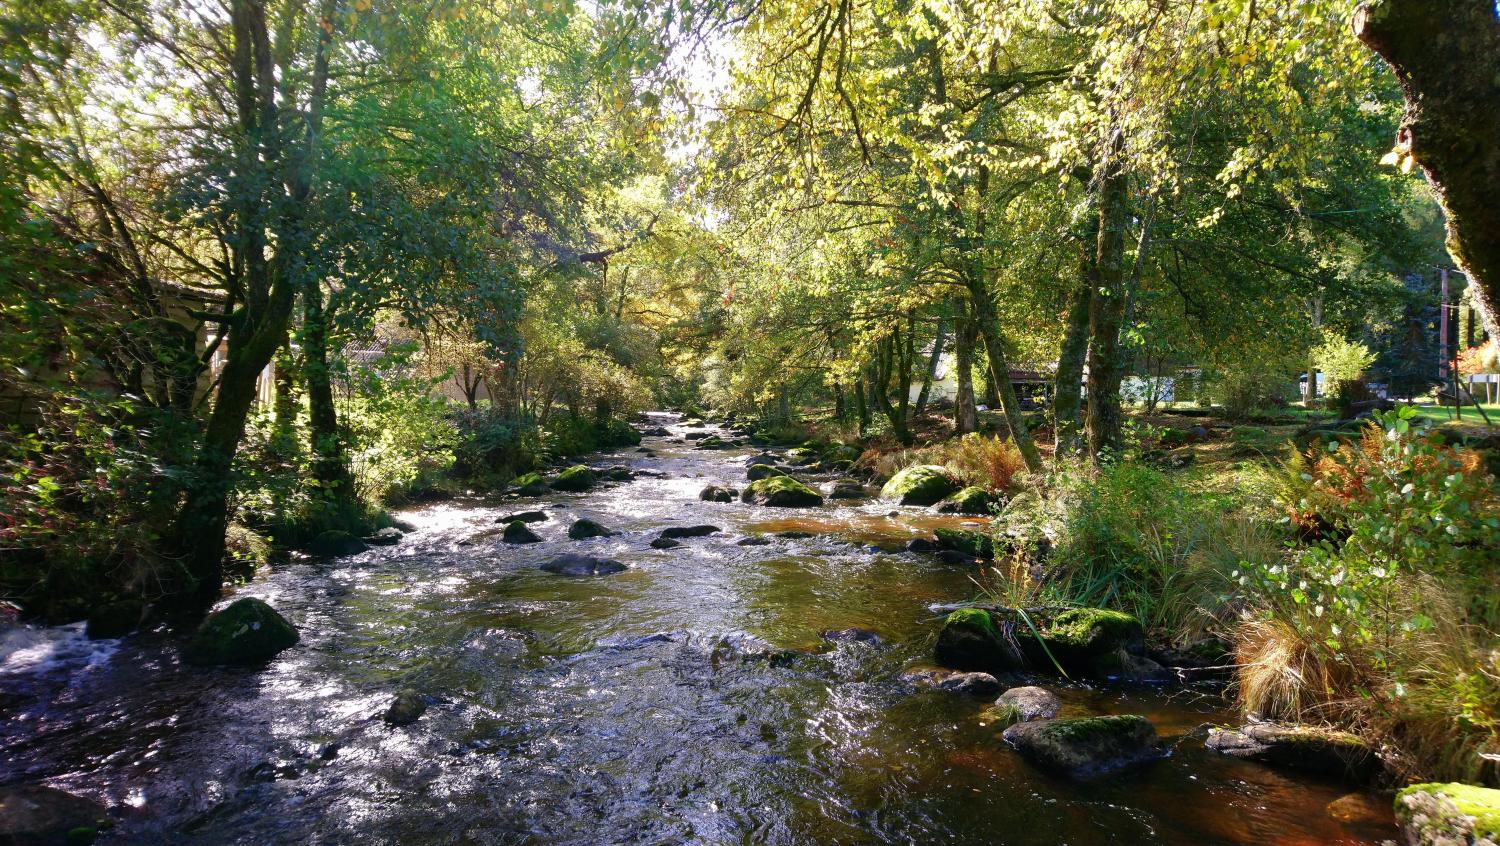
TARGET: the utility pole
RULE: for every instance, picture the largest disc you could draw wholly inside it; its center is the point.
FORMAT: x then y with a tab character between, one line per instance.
1443	325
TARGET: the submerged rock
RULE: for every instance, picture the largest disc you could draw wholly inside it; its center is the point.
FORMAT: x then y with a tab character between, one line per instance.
716	493
115	619
970	500
781	492
1088	747
973	684
574	479
408	707
518	532
969	641
958	559
665	543
582	565
921	545
247	631
851	635
33	815
388	536
921	484
1435	814
585	528
524	517
753	540
336	543
1307	748
618	473
689	531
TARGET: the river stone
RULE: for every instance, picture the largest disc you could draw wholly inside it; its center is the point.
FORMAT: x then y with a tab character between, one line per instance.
1084	748
689	531
851	635
618	473
714	442
753	540
1307	748
33	815
586	528
408	707
385	537
665	543
524	517
115	619
969	641
974	684
763	471
970	500
335	543
920	484
958	559
1089	641
582	565
781	492
1435	814
1031	703
921	545
519	532
530	484
975	544
574	479
247	631
696	436
715	493
847	490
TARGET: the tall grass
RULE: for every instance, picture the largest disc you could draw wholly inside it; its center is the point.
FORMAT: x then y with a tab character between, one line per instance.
994	464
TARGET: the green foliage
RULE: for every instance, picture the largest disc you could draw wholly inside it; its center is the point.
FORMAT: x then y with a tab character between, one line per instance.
1341	359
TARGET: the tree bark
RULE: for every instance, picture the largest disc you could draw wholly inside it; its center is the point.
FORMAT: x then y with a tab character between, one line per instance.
1067	388
330	467
1446	55
965	417
988	323
932	367
1315	313
1107	308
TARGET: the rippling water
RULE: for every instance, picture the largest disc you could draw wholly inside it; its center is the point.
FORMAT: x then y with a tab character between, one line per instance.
690	699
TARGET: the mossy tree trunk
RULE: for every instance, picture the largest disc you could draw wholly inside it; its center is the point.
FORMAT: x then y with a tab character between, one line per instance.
965	417
1067	388
1107	308
1446	55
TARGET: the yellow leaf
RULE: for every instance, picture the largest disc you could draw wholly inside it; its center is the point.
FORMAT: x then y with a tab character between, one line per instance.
1407	164
1391	158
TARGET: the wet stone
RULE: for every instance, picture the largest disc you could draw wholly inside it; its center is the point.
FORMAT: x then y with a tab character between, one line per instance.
586	528
665	543
582	565
972	684
524	517
689	531
408	707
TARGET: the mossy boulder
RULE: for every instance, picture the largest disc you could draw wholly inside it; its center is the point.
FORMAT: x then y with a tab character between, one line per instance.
1307	748
408	707
518	532
574	479
115	619
1088	747
781	492
247	631
1437	814
976	544
336	543
530	484
920	484
33	815
717	493
970	500
586	528
763	471
970	641
1086	641
847	490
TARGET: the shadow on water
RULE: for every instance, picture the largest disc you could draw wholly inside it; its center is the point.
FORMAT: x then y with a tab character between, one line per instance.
689	699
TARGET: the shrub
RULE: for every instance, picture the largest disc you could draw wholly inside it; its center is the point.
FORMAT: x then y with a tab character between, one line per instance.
975	460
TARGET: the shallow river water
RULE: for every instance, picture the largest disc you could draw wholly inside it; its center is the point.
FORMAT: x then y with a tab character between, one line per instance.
631	708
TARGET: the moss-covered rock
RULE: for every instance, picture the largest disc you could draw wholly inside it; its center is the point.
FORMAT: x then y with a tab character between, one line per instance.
976	544
115	619
336	543
586	528
969	641
1086	641
920	484
1087	747
518	532
842	452
1451	814
847	490
408	707
1306	748
574	479
31	815
717	493
763	471
781	492
530	484
970	500
247	631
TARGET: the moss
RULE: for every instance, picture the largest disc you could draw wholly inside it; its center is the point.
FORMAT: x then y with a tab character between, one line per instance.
1003	714
763	471
921	484
1093	628
248	631
1480	803
575	478
1113	725
970	500
781	491
970	543
972	617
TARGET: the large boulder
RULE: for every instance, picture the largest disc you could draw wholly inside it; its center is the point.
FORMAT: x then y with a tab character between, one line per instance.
586	528
1448	815
969	641
1086	641
33	815
920	484
1084	748
717	493
689	531
574	479
519	532
847	490
1308	748
970	500
336	543
781	492
530	484
763	471
247	631
582	565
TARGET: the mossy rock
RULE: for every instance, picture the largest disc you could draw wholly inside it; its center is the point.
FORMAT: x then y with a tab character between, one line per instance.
115	619
969	641
977	544
408	707
781	492
247	631
516	531
717	493
1085	641
970	500
33	814
574	479
1314	749
842	452
1437	813
586	528
762	471
1088	747
920	484
530	484
336	543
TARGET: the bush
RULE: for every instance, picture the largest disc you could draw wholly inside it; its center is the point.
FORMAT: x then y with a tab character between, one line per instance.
491	442
974	460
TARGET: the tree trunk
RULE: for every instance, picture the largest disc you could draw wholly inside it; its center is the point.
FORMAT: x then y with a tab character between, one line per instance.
1446	55
1067	389
839	410
1107	309
999	370
932	367
330	467
861	407
888	359
965	418
1315	314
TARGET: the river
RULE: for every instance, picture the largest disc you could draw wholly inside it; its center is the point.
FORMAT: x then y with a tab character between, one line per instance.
691	699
